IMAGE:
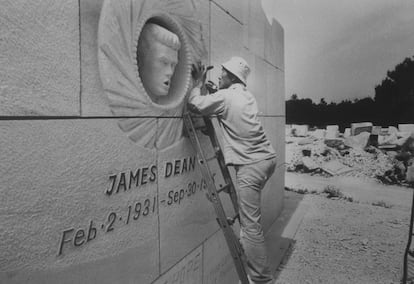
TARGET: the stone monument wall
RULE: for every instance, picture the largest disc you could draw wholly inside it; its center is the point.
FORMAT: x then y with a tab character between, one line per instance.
98	184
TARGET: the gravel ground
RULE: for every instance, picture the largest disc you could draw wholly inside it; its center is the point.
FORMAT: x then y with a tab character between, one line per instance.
339	241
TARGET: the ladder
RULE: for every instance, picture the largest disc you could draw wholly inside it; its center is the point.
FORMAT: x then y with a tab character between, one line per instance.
213	194
408	266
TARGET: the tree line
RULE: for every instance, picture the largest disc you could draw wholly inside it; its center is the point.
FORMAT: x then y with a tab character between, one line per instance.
392	104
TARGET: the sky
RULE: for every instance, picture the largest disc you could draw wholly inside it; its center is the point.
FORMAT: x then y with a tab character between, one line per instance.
342	49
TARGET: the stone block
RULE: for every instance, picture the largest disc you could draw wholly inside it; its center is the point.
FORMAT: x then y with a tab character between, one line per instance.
376	130
335	167
226	40
150	132
218	265
359	141
188	270
274	44
120	27
406	128
272	197
300	130
332	128
79	202
275	103
276	55
318	133
185	215
201	15
233	8
275	131
254	28
257	83
410	174
392	130
94	101
332	131
347	132
288	131
266	83
357	128
40	58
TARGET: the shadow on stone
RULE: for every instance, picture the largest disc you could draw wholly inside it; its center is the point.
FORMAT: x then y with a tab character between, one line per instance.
280	237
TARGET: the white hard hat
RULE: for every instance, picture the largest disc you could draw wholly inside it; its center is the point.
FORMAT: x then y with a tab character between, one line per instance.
238	67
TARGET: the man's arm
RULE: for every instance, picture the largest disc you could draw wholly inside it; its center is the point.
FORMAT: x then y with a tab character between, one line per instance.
208	104
198	101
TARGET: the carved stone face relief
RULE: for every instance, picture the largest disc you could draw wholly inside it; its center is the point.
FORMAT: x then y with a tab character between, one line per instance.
157	57
145	52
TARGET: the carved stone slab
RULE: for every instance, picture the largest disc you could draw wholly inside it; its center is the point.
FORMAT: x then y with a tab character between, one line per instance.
39	58
272	198
121	23
275	82
186	217
76	195
274	44
226	43
235	8
188	270
218	263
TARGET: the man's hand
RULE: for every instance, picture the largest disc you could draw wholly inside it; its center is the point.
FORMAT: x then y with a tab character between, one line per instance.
211	87
199	74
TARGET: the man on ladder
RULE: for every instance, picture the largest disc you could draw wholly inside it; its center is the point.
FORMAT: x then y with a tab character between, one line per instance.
246	148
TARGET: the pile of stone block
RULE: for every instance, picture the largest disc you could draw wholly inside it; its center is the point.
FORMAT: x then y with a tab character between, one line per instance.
363	150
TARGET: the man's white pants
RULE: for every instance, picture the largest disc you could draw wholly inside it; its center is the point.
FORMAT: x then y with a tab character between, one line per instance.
250	181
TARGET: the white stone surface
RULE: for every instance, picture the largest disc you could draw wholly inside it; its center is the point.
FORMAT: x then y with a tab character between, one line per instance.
300	130
406	128
332	128
392	130
275	103
254	28
201	14
318	133
273	192
265	79
188	270
332	131
274	45
233	8
226	42
56	176
218	263
186	217
39	47
347	132
94	101
258	83
359	127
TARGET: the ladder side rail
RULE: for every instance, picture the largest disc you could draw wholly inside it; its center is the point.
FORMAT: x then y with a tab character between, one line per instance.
231	239
220	158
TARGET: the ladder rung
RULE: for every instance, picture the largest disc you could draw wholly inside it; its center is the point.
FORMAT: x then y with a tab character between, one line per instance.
201	127
211	158
226	187
224	222
231	220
